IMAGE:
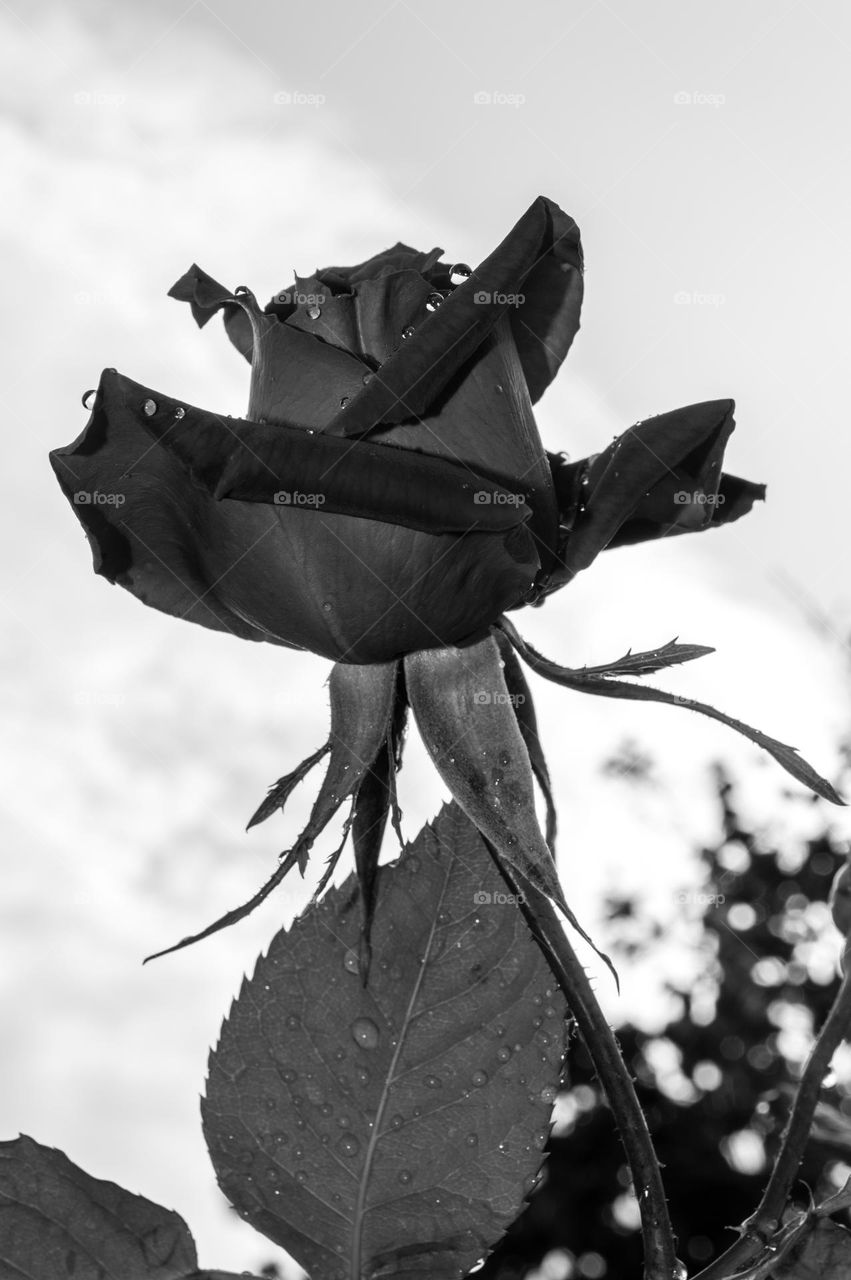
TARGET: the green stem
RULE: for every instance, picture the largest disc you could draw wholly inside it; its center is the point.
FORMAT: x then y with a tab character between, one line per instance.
764	1222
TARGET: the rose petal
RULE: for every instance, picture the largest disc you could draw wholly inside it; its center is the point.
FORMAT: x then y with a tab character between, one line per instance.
294	377
346	587
446	339
640	477
368	322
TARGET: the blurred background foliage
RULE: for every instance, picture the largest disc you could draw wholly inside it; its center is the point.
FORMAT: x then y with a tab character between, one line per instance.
716	1082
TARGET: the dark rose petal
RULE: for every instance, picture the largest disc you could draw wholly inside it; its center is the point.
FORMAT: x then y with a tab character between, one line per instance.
299	379
444	340
369	322
348	588
664	473
281	465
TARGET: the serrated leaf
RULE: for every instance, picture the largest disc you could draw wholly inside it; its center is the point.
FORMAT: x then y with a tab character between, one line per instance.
57	1221
391	1130
823	1254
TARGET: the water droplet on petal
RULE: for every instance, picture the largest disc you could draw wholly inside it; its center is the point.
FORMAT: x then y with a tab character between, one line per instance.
313	311
179	412
288	1076
298	1152
397	1122
343	1122
272	1175
350	964
85	397
408	331
504	1053
549	1093
301	1176
326	606
472	1139
292	1022
504	758
680	1270
367	377
363	1076
432	1082
500	391
479	1078
344	402
459	272
348	1145
433	301
405	1177
365	1033
150	407
339	1054
311	431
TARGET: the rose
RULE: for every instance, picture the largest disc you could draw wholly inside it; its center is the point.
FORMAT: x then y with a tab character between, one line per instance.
385	500
414	394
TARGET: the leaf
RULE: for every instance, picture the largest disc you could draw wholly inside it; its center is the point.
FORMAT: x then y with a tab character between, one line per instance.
57	1221
645	664
587	682
823	1254
391	1130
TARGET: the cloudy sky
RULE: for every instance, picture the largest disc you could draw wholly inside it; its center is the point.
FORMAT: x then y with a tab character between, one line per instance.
704	153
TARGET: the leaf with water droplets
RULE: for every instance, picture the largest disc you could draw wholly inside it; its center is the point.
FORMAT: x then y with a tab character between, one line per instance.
56	1221
391	1130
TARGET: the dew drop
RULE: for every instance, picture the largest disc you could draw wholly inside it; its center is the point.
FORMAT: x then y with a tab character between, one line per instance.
405	1177
85	396
537	1022
298	1152
499	1029
459	272
433	301
280	1138
271	1104
292	1022
180	412
289	1076
326	606
150	407
326	1109
479	1078
408	331
348	1145
504	1053
500	389
339	1054
472	1139
432	1082
504	758
301	1177
549	1093
367	377
363	1076
311	431
511	840
544	1038
272	1175
343	1122
313	311
680	1270
397	1122
365	1033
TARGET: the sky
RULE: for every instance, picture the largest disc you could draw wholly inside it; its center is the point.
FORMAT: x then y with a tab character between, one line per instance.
704	154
